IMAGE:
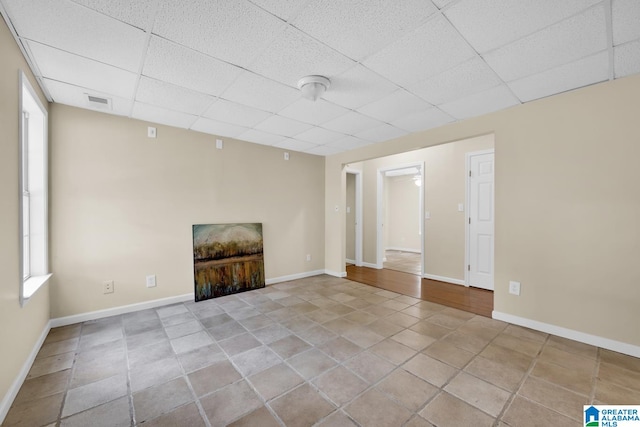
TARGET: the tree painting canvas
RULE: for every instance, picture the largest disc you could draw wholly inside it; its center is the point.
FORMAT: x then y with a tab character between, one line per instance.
227	259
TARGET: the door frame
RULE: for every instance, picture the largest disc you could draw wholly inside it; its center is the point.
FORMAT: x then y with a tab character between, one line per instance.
467	211
358	213
380	206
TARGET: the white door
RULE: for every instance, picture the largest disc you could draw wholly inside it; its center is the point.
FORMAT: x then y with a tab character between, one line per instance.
481	219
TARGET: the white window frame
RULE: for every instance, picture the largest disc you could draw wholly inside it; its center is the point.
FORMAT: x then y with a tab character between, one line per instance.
34	215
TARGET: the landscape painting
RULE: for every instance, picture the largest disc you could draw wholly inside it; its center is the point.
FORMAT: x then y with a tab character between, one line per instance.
227	259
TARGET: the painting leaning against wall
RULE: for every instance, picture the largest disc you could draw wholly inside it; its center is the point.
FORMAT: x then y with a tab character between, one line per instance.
227	259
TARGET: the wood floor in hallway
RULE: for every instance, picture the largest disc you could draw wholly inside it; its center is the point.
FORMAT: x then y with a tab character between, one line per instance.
473	300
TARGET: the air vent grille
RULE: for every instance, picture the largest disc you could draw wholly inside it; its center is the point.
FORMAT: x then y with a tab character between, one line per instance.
98	102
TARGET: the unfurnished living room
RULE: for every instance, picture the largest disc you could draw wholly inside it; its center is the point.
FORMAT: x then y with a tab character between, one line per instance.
319	212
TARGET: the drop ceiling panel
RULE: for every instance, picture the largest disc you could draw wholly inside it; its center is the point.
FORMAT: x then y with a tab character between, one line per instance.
349	143
431	49
67	94
442	3
351	123
293	144
238	114
423	120
318	135
282	126
399	103
260	92
214	127
234	31
381	133
187	68
259	137
626	20
583	72
139	13
323	150
151	113
55	64
293	55
463	80
567	41
358	86
489	24
481	103
627	59
73	28
283	9
360	28
312	112
172	97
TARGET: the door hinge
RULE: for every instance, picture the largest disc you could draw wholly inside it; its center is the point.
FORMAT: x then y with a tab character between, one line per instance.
469	267
469	220
469	174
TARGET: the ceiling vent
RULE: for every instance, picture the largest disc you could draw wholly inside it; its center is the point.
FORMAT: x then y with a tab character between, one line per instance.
98	102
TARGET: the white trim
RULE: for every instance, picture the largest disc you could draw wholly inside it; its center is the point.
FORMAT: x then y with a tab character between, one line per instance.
290	277
8	399
444	279
350	261
393	248
370	265
609	344
359	215
335	273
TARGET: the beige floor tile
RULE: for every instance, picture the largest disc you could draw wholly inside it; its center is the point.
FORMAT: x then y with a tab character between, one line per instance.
91	367
178	319
182	329
619	376
621	360
393	351
417	312
191	342
402	319
407	389
430	329
161	399
566	359
115	413
289	346
519	331
51	364
275	381
145	338
375	409
36	412
476	392
575	380
340	349
271	333
447	410
230	403
337	419
149	354
369	367
526	413
302	406
255	360
201	357
58	347
612	394
394	305
298	324
311	363
571	346
506	357
413	339
239	344
213	377
322	316
42	386
486	322
522	345
261	417
317	335
377	310
94	394
384	328
256	322
63	333
449	354
340	385
473	328
472	343
495	373
363	336
554	397
226	330
361	318
418	421
154	373
340	325
185	415
340	309
446	320
430	369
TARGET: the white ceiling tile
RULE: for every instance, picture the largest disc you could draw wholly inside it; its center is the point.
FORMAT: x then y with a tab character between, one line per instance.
172	97
358	86
282	126
284	9
349	143
139	13
214	127
293	55
391	107
626	20
230	112
151	113
565	42
76	29
423	120
352	123
323	150
187	68
293	144
495	99
592	69
312	112
360	28
627	59
260	92
429	50
55	64
465	79
381	133
488	24
259	137
67	94
318	135
234	31
442	3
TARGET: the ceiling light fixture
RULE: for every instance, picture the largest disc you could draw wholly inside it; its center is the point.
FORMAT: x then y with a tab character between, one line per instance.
313	87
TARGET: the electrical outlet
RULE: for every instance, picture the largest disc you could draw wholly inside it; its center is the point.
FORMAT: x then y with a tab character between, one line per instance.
308	257
286	156
107	287
514	288
151	281
151	132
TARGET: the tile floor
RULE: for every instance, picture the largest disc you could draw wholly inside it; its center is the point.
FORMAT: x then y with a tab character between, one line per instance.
408	262
317	351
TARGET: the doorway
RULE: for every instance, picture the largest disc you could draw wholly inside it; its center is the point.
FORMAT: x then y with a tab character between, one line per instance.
353	217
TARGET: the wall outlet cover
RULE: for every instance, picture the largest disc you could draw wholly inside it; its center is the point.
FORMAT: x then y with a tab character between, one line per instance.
514	288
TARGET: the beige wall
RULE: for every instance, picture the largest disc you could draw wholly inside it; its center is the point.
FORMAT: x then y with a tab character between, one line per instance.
402	222
20	327
350	218
122	206
567	209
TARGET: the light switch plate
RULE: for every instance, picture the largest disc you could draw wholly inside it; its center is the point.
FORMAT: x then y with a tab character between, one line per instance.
514	288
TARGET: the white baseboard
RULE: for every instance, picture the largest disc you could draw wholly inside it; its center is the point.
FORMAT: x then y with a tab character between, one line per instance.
290	277
335	273
393	248
444	279
370	265
609	344
8	399
350	261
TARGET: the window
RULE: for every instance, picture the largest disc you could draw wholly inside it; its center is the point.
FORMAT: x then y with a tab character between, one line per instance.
33	190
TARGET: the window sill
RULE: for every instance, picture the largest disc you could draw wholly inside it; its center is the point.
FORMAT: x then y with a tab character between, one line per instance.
31	286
